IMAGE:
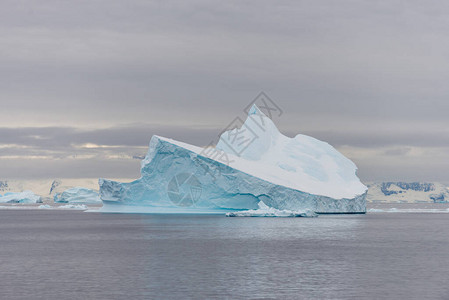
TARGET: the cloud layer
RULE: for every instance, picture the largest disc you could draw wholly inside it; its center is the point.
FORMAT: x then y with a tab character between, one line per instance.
86	84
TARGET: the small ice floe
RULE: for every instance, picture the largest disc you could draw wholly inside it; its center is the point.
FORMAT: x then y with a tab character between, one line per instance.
45	206
67	206
266	211
73	206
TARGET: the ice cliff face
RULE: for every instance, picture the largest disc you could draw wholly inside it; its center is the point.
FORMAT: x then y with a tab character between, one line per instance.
250	164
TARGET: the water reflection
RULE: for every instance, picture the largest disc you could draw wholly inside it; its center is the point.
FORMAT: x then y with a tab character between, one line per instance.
233	257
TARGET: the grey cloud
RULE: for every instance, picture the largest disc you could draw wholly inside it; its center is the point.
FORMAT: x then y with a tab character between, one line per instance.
398	151
123	146
139	135
417	169
381	139
70	168
75	73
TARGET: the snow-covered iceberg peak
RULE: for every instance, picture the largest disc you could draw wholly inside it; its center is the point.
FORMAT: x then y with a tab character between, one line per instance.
302	162
253	139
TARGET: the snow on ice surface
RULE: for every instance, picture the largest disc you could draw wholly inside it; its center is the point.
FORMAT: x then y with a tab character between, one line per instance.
22	197
301	163
266	211
78	195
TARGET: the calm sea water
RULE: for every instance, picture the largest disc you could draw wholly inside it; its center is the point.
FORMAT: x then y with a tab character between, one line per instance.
48	254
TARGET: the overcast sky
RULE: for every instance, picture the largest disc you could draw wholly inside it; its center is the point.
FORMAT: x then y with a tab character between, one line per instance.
85	84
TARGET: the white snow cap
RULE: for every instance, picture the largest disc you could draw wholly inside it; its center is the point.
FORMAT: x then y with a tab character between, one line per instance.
302	163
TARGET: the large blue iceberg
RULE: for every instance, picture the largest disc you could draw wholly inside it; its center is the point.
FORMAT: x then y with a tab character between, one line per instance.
251	165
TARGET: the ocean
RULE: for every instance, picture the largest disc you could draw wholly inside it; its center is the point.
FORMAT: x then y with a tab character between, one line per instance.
66	254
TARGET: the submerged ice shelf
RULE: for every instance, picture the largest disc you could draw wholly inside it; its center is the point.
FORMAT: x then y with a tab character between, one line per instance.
250	165
266	211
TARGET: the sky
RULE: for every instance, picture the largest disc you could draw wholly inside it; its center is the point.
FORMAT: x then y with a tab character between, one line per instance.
85	84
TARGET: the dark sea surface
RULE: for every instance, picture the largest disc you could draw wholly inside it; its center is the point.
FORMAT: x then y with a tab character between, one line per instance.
49	254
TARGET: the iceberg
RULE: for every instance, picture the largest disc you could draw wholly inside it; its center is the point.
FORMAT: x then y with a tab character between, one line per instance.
21	197
78	195
250	164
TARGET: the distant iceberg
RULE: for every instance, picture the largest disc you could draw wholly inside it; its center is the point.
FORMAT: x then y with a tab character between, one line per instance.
251	164
407	192
22	197
78	195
